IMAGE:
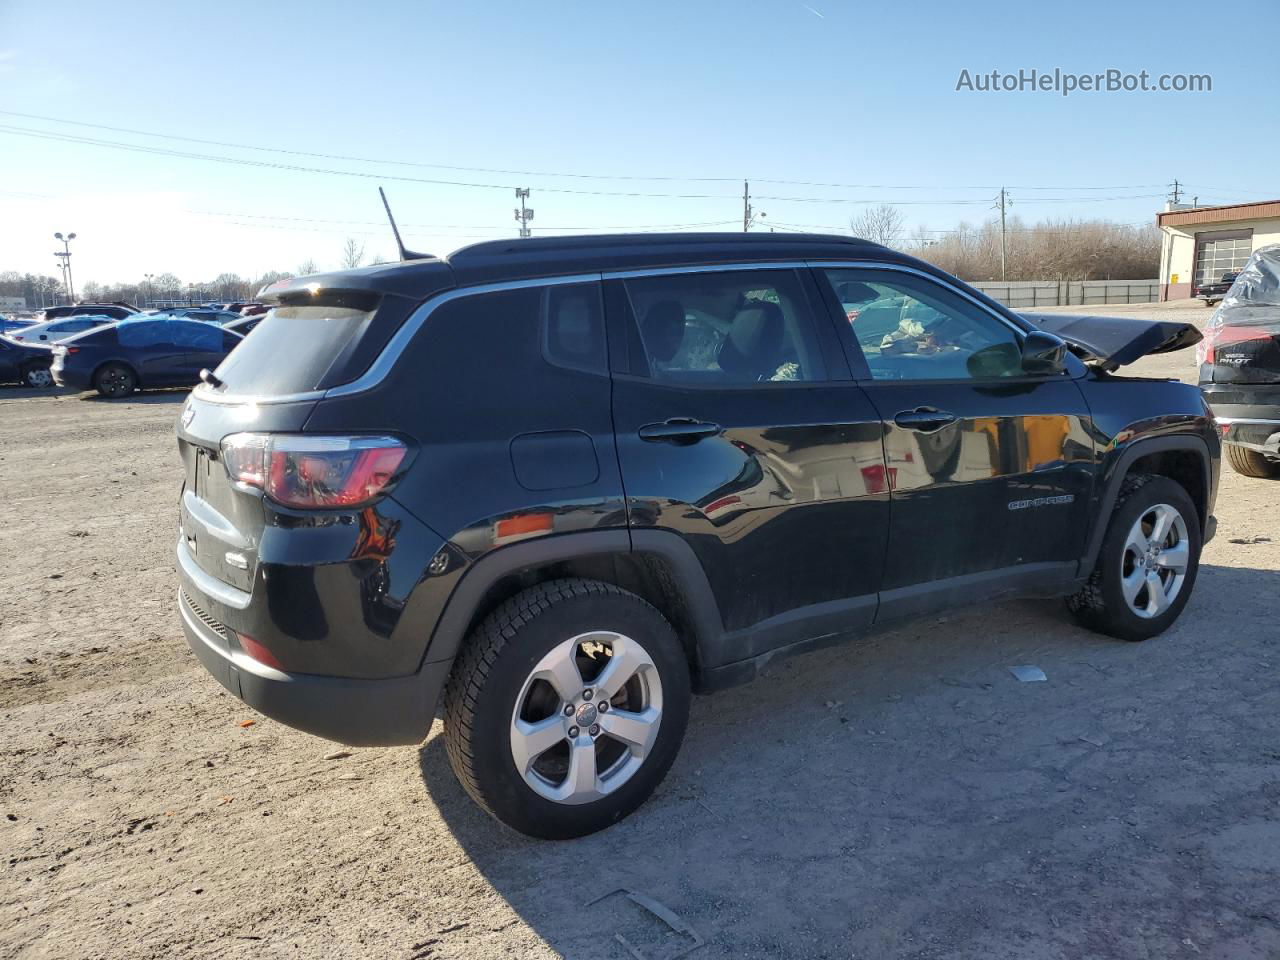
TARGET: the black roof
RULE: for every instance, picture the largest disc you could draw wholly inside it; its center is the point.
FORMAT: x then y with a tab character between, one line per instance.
497	261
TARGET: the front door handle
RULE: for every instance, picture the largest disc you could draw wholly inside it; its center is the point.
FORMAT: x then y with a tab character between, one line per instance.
925	419
679	430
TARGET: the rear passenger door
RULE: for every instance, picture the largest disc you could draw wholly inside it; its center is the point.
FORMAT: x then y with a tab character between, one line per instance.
739	430
990	468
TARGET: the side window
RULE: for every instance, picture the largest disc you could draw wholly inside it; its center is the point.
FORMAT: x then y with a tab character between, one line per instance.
911	328
145	333
573	327
195	335
735	327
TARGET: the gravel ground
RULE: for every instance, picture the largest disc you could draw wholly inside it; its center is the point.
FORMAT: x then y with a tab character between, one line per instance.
903	796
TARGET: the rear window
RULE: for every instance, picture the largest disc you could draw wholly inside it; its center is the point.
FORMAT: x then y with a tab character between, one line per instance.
292	349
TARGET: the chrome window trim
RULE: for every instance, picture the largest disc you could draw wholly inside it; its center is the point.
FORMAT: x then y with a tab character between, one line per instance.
1250	420
903	268
390	353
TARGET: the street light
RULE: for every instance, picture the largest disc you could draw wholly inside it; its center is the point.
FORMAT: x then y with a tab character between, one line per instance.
146	292
66	257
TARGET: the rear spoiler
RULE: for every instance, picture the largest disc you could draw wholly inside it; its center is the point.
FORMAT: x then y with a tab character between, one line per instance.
1112	342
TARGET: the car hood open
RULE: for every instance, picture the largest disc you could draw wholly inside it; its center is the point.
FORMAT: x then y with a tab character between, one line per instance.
1111	342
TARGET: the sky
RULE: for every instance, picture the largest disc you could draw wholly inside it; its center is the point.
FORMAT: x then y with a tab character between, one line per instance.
615	116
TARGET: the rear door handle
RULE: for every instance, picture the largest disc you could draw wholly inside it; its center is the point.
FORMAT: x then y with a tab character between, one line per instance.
679	430
925	419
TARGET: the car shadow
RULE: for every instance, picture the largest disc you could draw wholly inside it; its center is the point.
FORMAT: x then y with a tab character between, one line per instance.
176	395
906	792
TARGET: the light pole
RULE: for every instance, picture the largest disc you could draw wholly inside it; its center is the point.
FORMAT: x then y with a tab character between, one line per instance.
146	290
66	257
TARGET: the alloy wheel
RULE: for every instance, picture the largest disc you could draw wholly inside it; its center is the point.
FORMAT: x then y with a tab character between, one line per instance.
1153	566
586	717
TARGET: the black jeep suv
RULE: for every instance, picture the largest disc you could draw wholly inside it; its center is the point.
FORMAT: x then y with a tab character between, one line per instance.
558	484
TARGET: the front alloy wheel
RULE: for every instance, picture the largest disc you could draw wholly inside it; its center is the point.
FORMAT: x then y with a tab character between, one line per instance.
1154	564
1147	563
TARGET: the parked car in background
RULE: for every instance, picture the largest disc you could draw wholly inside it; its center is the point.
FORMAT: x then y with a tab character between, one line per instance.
687	464
116	311
253	309
141	353
243	325
9	324
52	330
207	314
25	363
1211	293
1240	366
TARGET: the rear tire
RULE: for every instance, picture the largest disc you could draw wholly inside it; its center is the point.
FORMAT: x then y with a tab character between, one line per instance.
1250	463
115	380
37	376
1148	562
524	729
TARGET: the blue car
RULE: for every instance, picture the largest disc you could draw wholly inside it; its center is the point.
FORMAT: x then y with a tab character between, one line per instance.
140	353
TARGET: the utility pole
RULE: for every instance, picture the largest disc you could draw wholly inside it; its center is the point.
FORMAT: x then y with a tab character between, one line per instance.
1176	191
66	258
523	216
746	206
1001	204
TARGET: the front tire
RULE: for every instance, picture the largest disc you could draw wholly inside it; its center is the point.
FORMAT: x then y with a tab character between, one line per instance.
1148	562
115	381
566	708
1250	463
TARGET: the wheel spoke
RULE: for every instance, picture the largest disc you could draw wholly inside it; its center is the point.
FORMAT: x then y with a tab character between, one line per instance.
560	670
529	741
636	730
1131	585
1175	558
628	657
580	785
1156	599
1161	524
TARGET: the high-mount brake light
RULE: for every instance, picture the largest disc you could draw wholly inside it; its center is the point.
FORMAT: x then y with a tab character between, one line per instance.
314	471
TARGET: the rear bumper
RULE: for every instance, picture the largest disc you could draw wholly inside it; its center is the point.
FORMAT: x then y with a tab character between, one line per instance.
360	713
74	379
1254	434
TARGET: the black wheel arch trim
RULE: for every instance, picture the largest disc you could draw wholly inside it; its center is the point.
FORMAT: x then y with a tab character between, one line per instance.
1119	469
704	615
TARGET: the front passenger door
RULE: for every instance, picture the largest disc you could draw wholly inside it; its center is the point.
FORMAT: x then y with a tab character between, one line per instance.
990	468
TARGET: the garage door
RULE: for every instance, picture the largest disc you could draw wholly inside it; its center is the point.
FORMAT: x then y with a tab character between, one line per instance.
1220	252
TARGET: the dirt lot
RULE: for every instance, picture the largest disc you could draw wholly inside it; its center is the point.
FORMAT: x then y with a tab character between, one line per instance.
901	797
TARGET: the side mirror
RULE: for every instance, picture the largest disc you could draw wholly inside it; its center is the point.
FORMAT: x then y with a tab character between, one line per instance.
1043	353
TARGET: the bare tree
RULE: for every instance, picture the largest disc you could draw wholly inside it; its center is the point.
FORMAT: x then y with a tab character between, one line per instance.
307	267
882	224
352	254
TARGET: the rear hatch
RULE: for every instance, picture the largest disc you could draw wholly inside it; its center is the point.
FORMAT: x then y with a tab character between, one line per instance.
314	338
1242	338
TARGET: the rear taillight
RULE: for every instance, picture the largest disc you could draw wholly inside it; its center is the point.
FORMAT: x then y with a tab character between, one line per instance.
306	471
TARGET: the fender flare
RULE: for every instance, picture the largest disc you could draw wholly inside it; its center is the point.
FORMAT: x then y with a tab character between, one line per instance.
1120	469
704	614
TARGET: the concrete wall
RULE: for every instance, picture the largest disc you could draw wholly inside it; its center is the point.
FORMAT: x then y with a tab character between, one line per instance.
1029	294
1178	250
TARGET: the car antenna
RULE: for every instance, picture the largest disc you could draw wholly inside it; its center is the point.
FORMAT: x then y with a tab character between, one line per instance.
404	254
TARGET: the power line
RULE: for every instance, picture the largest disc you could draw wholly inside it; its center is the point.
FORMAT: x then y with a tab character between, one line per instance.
533	173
